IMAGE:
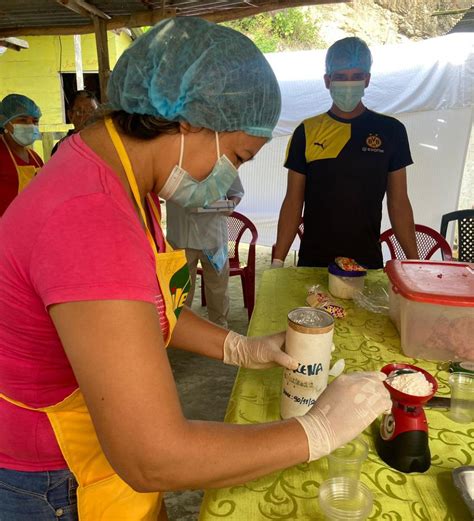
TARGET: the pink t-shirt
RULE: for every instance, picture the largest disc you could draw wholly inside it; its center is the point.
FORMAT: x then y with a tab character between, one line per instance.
72	235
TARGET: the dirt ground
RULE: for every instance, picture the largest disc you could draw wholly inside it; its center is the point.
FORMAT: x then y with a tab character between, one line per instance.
205	385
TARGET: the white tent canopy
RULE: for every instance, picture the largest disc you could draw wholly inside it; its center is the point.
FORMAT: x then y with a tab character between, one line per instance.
428	85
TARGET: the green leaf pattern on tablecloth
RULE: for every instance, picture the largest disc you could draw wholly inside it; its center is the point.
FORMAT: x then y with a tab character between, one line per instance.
366	341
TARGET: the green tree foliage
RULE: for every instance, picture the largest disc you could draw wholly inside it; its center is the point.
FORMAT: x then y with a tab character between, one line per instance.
280	30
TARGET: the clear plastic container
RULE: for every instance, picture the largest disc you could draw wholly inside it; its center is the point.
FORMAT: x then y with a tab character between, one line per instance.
343	284
345	499
462	397
432	306
347	461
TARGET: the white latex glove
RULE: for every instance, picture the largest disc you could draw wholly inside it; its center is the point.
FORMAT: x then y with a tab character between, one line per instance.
259	352
277	263
346	407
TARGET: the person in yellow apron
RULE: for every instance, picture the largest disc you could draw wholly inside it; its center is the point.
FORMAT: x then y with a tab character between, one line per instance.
184	91
19	117
101	494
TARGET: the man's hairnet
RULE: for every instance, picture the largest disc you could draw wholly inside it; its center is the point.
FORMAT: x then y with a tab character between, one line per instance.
189	69
15	105
348	53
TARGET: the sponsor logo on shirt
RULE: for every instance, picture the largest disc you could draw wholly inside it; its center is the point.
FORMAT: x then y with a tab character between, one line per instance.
316	144
373	142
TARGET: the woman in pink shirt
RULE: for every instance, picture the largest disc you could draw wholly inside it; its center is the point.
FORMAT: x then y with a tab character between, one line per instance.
91	294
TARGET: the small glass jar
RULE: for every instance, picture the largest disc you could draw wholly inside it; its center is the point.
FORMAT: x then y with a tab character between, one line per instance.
343	284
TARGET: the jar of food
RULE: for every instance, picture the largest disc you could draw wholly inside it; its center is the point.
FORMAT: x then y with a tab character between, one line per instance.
308	340
342	283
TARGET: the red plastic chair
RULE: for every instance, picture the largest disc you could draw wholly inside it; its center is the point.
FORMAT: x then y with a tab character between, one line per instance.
428	242
237	225
299	231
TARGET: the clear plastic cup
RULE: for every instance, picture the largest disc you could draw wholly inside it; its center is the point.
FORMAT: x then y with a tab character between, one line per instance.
346	461
462	397
345	499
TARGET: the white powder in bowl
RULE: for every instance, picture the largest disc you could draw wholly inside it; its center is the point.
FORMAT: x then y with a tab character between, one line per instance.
411	383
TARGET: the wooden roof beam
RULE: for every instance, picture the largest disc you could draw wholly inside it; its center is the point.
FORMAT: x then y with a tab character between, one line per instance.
93	10
226	15
72	6
146	18
84	8
102	56
116	22
14	43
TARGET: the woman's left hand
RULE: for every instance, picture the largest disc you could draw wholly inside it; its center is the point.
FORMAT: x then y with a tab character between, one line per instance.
257	352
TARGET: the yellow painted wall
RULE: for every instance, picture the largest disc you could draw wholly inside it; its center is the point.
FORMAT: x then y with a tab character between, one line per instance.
35	72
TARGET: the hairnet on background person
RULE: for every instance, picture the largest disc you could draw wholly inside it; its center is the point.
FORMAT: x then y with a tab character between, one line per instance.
189	69
348	53
15	105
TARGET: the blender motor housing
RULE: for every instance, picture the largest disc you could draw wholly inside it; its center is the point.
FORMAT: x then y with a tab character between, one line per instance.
402	441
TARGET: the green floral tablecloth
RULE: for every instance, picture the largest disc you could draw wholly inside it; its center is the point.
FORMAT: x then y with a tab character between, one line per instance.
366	341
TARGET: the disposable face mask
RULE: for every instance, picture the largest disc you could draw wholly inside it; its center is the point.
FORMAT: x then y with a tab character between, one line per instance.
25	134
218	256
185	191
347	94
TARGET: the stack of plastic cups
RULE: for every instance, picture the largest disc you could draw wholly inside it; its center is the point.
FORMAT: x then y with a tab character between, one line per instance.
343	497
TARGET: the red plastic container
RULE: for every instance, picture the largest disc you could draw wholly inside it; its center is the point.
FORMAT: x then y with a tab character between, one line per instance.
432	305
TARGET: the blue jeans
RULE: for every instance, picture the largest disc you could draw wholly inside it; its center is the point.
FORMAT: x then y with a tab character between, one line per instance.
37	496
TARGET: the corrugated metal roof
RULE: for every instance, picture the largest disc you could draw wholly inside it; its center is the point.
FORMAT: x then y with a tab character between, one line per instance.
26	17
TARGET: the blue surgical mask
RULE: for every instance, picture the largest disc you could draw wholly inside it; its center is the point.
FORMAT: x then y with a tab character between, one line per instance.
25	134
181	188
347	94
218	256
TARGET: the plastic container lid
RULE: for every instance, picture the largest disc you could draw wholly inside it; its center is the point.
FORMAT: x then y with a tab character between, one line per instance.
443	283
334	269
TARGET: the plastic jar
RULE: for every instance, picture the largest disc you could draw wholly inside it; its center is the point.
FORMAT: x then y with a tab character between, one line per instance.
343	284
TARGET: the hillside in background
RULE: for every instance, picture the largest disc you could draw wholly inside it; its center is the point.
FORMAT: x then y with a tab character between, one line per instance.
375	21
387	21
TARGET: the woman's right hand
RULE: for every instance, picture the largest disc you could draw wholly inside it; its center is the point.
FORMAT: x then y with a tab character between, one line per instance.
346	407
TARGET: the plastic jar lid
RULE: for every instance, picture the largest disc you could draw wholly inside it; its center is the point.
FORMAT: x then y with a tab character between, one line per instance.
334	269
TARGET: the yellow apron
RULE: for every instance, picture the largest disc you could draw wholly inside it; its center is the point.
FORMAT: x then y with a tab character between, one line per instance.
25	173
102	495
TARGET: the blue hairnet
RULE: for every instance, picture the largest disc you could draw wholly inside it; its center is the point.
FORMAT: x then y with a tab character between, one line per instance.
15	105
189	69
348	53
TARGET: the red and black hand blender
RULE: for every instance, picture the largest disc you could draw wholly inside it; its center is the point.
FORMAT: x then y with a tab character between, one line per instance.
402	441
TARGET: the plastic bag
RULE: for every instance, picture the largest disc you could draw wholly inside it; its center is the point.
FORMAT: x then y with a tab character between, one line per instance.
373	298
318	299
